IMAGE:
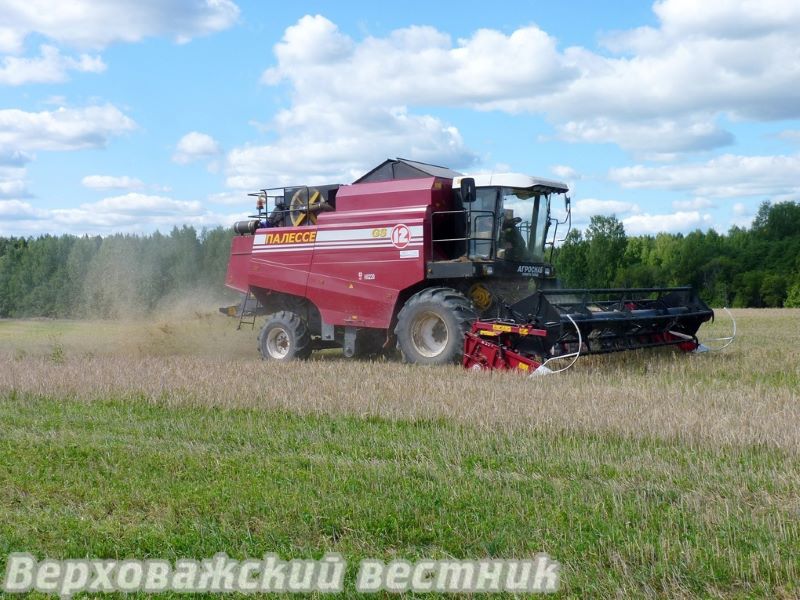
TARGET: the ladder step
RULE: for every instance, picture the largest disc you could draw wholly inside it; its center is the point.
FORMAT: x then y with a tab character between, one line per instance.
244	318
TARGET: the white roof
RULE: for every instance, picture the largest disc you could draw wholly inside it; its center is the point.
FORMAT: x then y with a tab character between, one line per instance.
512	180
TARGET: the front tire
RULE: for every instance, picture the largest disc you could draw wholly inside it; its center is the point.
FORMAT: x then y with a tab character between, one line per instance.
284	337
431	326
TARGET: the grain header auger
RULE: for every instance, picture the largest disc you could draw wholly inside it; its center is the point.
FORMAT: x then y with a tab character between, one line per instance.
445	267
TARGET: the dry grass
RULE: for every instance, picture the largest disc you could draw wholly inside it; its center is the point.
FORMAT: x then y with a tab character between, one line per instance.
748	394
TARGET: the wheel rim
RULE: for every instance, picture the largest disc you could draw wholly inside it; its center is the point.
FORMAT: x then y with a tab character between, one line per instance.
278	343
429	335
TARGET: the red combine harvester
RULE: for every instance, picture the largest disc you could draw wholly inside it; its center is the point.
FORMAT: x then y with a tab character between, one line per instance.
446	267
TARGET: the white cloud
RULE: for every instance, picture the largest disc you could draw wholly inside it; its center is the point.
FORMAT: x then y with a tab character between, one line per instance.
721	177
350	100
740	209
91	24
662	90
13	176
232	199
736	19
565	172
110	182
647	224
50	67
693	204
335	144
22	133
653	139
742	215
13	210
136	204
697	65
195	146
417	64
14	158
61	129
12	188
131	212
589	207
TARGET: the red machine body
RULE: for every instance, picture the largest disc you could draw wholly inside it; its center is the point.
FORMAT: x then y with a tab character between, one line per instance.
354	262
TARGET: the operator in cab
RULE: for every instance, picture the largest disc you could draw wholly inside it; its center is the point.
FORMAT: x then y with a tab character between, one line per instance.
511	239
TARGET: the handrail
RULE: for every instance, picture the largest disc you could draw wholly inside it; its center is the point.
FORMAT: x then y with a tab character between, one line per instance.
468	213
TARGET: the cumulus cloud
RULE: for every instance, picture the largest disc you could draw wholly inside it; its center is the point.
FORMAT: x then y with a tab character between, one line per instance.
565	172
17	210
13	158
417	64
655	91
61	129
50	67
705	59
22	133
650	224
195	146
740	208
132	212
134	203
350	100
13	188
652	139
337	143
693	204
232	199
110	182
721	177
90	24
588	207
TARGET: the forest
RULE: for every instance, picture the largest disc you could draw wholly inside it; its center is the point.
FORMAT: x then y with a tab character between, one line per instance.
134	275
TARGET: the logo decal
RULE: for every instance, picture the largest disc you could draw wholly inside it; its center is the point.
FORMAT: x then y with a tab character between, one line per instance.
401	236
293	237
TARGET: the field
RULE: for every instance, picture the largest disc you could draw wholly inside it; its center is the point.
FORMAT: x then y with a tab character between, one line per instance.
645	475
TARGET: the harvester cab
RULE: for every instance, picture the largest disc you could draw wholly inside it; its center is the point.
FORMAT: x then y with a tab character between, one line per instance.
511	223
444	266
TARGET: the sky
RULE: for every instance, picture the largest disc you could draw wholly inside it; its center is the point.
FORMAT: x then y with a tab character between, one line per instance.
137	115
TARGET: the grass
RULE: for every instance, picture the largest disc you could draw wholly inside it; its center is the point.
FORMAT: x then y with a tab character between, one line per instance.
651	475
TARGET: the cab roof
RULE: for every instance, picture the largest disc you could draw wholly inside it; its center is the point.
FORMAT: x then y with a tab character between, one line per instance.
514	180
393	169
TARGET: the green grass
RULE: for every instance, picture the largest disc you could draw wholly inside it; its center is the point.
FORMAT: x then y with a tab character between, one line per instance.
634	517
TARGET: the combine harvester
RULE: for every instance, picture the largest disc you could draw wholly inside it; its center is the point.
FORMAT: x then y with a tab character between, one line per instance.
446	267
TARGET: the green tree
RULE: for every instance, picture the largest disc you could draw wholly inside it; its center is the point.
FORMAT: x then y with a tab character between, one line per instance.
606	243
793	297
571	260
773	290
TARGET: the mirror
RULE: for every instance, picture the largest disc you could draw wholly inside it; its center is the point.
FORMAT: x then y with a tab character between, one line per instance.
468	193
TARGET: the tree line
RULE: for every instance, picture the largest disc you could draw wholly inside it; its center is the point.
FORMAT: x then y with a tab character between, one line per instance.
757	266
110	277
133	275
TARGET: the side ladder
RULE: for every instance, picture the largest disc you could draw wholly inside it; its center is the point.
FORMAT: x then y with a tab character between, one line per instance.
248	311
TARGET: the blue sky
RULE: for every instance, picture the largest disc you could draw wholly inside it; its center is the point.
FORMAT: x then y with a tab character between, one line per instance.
133	115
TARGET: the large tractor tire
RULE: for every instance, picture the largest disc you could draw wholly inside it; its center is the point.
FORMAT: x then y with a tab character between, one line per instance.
284	336
431	326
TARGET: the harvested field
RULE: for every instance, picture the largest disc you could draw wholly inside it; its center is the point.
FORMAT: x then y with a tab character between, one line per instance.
645	474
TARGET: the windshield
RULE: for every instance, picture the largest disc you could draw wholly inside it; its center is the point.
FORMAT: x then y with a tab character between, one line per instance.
525	215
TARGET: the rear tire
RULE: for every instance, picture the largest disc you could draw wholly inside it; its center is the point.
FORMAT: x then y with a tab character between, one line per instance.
431	326
285	337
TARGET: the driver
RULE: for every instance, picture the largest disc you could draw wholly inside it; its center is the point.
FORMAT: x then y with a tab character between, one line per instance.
510	237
